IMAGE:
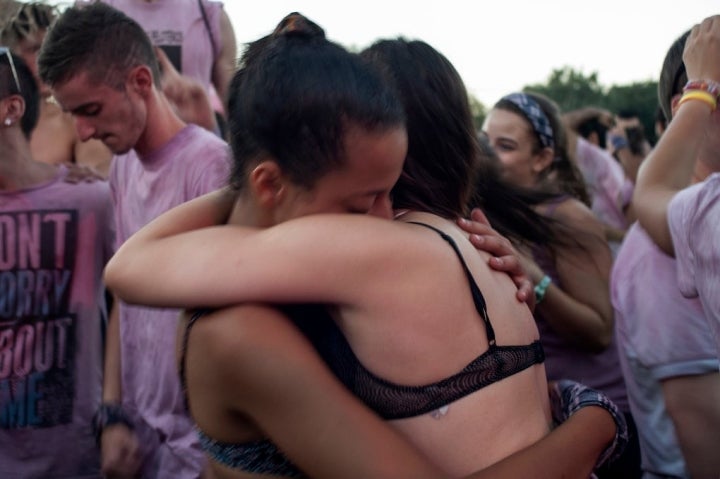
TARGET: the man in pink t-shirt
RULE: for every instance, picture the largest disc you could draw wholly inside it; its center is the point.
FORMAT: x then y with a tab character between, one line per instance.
683	221
686	222
112	91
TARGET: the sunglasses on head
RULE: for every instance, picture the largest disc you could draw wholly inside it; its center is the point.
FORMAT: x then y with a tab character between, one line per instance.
6	51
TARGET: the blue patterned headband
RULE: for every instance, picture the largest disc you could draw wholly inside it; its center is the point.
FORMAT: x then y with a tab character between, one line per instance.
535	115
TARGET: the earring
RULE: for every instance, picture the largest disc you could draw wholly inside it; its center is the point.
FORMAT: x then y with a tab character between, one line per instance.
8	122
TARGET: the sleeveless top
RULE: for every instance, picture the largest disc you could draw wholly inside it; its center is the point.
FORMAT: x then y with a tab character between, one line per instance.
387	399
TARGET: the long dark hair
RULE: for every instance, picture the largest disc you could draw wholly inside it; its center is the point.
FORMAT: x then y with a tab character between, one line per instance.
442	160
449	169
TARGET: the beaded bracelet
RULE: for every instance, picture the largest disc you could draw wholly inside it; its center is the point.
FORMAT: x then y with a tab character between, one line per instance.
541	288
709	86
109	414
701	95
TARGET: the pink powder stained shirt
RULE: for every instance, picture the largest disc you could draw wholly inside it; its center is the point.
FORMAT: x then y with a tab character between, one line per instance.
660	335
694	220
55	238
609	188
193	163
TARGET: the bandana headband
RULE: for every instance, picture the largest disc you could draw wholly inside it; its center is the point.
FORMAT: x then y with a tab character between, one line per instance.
535	115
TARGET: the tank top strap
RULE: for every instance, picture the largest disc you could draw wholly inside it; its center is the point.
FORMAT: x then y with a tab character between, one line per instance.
183	352
477	295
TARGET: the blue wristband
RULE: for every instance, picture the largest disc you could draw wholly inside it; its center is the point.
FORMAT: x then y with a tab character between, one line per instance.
541	288
618	142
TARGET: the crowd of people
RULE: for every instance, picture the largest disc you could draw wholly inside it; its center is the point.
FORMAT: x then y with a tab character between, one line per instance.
301	261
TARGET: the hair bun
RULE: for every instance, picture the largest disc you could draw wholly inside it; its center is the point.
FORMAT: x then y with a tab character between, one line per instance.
296	24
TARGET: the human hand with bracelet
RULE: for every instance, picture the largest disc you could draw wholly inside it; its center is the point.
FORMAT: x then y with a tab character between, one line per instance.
701	57
120	450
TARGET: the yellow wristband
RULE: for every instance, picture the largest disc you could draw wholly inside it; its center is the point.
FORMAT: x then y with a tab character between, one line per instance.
701	95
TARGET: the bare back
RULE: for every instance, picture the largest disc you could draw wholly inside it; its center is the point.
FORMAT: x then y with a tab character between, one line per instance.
430	329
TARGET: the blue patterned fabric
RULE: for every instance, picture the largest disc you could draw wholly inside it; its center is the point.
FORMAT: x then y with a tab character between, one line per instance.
258	457
567	397
535	115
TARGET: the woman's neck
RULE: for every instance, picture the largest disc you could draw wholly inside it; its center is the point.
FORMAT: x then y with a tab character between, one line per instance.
18	170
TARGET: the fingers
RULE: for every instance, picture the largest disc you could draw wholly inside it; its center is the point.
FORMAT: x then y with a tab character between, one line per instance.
163	60
477	215
526	292
476	228
505	258
511	265
81	173
702	50
120	452
493	243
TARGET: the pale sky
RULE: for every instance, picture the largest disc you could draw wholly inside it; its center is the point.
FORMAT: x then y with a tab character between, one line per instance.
500	46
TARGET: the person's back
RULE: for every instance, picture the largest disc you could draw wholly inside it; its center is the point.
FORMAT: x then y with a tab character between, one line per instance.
56	239
435	302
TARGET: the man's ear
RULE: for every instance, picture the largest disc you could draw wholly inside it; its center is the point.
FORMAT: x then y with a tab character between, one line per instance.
267	183
543	159
674	104
594	138
141	80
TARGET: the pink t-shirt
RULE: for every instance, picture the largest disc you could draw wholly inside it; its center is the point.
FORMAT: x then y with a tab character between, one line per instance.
609	188
178	27
55	239
193	163
694	221
660	335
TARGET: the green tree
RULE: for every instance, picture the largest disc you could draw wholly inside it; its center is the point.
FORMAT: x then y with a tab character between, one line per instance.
572	89
478	110
639	98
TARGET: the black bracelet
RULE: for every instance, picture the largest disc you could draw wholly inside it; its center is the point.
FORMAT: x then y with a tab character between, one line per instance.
109	414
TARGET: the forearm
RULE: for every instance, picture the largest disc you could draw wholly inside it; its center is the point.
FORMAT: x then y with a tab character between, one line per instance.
692	403
112	390
143	260
630	162
569	451
225	65
668	169
576	321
